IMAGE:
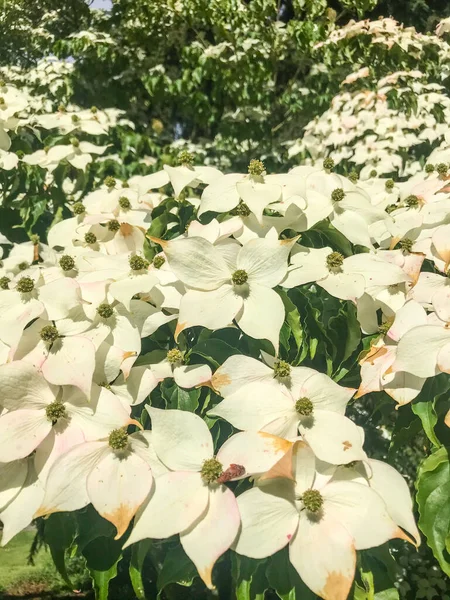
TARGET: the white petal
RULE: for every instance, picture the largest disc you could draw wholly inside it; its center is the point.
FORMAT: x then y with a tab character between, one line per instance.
265	260
262	315
117	486
418	350
269	519
12	478
207	539
190	376
181	439
21	432
135	389
23	387
237	371
177	501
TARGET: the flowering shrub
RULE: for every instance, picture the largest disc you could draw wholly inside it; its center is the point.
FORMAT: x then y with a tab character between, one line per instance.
187	354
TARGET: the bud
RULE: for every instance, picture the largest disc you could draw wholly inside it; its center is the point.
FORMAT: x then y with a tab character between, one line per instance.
373	173
353	176
124	203
113	225
212	469
55	411
185	158
412	201
4	283
49	333
429	168
256	168
25	285
110	182
75	119
66	263
328	164
312	501
239	277
137	263
78	208
22	266
337	195
335	260
20	154
105	310
304	407
75	142
158	261
406	244
281	369
389	185
90	238
118	439
442	169
174	356
94	110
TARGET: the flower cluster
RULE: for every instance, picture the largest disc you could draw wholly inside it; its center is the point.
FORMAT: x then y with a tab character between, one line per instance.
114	306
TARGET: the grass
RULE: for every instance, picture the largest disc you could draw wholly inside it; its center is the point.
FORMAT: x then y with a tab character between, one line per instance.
18	580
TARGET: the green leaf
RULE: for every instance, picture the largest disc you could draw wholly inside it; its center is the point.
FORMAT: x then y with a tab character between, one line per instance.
249	577
293	320
59	534
285	580
102	556
177	568
433	493
424	405
138	554
215	351
101	579
180	398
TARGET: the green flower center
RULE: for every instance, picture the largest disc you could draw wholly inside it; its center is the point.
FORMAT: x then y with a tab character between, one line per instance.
185	158
312	501
372	173
281	369
353	176
429	168
110	182
75	119
390	208
75	142
256	167
20	154
78	208
25	285
55	411
335	260
212	469
105	310
90	238
49	333
66	262
125	184
2	101
406	244
304	407
137	263
4	283
158	261
22	266
124	203
113	225
174	356
328	164
94	110
242	210
412	201
239	277
337	195
389	185
118	439
384	327
442	169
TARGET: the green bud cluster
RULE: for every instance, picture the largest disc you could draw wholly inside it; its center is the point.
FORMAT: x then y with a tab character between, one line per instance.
373	173
118	439
4	283
185	158
158	261
20	154
406	244
75	119
390	208
125	184
312	501
113	225
281	369
124	203
337	195
304	407
2	101
55	411
256	167
384	327
110	182
353	176
239	277
66	263
78	208
75	142
35	239
335	260
328	164
23	266
137	263
90	238
105	310
389	185
442	169
49	334
174	356
94	110
242	210
429	168
212	469
412	201
25	285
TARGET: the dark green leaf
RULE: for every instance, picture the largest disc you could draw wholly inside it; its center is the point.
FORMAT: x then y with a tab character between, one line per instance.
177	568
138	554
215	351
180	398
285	580
59	534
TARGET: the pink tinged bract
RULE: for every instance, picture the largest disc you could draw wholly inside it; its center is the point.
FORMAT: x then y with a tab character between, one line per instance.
21	432
206	540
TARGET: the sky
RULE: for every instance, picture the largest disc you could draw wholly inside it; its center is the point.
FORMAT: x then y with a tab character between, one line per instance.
106	4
